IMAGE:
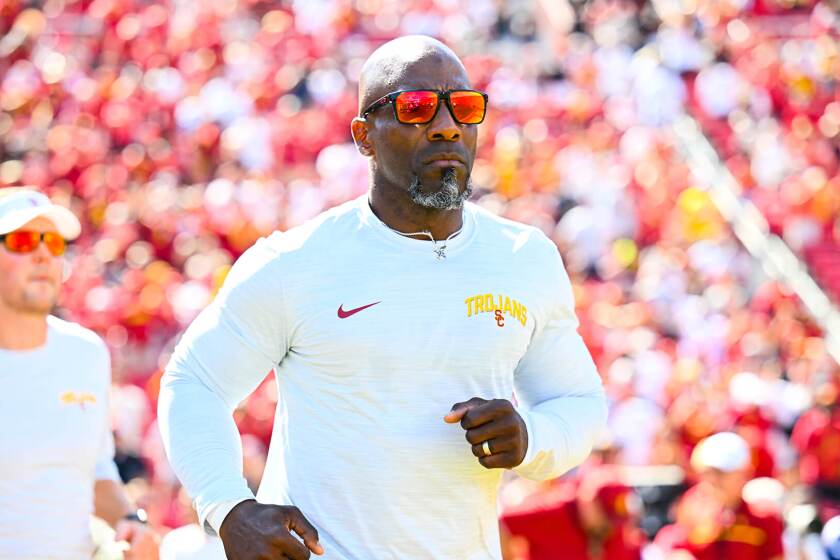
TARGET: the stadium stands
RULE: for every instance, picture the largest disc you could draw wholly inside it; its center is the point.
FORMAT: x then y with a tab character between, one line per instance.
181	132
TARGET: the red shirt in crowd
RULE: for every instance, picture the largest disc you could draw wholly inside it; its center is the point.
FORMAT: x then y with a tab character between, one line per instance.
554	532
816	436
750	534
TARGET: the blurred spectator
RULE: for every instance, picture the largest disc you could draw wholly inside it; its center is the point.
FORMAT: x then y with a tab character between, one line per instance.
816	436
713	518
594	519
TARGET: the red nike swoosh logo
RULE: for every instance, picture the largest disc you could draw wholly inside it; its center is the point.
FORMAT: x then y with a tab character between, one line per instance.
344	314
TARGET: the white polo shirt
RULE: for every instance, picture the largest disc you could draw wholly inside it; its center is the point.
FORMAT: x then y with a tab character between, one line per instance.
373	339
55	443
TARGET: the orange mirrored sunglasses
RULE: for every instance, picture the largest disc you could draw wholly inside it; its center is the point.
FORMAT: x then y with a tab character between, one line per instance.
23	241
420	106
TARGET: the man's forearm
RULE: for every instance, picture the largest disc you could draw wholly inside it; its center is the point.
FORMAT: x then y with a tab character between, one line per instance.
561	398
202	443
561	433
110	502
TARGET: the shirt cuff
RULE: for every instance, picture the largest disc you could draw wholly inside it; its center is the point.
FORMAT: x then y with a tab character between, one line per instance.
531	451
217	513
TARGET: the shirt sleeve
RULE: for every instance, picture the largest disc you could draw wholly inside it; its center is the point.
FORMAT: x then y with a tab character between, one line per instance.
773	546
531	524
105	468
558	389
221	358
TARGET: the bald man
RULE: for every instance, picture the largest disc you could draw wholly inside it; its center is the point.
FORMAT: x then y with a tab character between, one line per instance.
399	325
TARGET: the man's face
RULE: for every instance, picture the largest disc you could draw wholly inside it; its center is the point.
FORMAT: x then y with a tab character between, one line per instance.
29	282
593	517
426	159
727	484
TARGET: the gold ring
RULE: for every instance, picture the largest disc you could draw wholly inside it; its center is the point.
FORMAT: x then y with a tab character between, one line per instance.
486	448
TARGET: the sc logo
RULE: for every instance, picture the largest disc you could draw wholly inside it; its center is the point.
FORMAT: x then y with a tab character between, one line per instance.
500	319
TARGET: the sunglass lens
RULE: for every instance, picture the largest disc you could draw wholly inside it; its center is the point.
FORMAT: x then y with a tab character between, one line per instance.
468	107
416	107
22	241
55	243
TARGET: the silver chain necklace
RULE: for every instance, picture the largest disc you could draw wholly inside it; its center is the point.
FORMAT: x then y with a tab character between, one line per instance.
439	251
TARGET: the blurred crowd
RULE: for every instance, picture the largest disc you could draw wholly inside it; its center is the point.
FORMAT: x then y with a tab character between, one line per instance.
180	132
771	106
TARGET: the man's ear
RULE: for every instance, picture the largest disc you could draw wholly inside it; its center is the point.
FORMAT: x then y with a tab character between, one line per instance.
359	129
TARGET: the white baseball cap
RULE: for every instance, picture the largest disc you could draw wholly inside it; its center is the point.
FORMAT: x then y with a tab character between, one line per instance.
725	451
20	205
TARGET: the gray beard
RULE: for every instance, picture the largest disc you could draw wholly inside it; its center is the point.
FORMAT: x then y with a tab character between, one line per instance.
446	197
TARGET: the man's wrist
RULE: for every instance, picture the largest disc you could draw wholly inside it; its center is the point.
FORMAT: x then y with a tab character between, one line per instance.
139	515
217	514
529	436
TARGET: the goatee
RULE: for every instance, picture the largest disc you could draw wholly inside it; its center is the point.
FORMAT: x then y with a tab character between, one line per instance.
447	197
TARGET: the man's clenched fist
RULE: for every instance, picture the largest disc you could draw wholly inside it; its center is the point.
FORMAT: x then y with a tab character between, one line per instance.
254	531
498	424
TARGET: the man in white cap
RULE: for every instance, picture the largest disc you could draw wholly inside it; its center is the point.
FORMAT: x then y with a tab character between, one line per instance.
57	449
713	521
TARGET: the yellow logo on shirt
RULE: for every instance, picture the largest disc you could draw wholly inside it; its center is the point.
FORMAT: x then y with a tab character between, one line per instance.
499	305
81	399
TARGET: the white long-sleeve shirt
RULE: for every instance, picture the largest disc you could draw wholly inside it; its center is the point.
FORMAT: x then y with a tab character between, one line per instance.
373	339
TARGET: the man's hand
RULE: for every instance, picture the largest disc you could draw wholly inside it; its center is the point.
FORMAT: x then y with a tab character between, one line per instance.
143	542
253	531
497	423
